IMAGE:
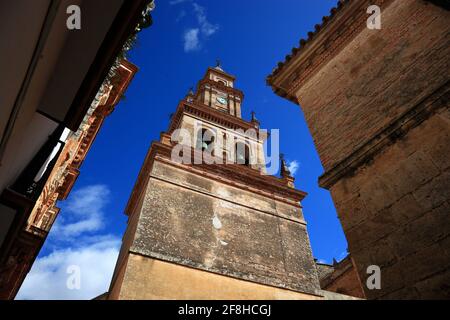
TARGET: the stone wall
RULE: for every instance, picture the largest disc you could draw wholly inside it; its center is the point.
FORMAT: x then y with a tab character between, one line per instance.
190	220
395	213
148	279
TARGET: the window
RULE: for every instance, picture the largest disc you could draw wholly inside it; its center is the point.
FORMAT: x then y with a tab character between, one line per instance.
205	139
242	154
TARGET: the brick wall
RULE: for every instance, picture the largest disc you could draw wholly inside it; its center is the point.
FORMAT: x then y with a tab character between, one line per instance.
378	76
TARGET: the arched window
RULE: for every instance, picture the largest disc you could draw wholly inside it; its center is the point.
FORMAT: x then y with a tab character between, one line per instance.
242	154
222	82
205	139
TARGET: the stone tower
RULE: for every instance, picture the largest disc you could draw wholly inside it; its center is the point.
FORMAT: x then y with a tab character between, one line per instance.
211	230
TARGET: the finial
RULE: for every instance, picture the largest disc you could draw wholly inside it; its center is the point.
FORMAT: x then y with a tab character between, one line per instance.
218	65
285	173
190	95
254	120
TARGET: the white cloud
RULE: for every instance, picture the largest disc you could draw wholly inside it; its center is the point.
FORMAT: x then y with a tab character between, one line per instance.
293	166
48	276
82	212
191	40
206	27
192	37
75	241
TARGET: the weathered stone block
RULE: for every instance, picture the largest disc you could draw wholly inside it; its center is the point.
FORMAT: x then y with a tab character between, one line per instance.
434	192
423	264
377	194
439	150
406	293
412	172
370	230
435	287
352	212
421	233
406	209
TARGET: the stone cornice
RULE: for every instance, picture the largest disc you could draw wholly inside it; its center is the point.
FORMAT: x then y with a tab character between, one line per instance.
242	177
120	82
220	72
214	84
388	135
208	113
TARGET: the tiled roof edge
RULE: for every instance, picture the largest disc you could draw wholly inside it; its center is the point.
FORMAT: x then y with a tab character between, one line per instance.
303	42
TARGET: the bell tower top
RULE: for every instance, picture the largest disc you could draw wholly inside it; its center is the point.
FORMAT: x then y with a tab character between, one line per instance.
216	90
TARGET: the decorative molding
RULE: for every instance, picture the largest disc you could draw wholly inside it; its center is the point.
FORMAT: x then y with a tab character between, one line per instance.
207	113
243	177
388	135
37	217
208	83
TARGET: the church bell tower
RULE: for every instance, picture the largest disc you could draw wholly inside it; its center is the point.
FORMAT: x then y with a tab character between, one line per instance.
205	219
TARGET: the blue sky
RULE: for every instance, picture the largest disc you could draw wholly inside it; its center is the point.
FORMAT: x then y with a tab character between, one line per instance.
187	36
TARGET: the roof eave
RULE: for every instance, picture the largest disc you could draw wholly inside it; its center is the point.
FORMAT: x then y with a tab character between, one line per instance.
286	73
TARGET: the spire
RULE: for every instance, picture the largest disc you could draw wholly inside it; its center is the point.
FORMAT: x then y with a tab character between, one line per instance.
218	65
254	116
254	119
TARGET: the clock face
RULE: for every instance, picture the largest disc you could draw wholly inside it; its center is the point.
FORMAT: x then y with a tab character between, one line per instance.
222	100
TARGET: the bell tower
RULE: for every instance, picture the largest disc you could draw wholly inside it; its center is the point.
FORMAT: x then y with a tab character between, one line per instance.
205	219
216	90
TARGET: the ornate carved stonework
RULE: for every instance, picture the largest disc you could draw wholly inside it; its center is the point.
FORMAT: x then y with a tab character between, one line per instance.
60	183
